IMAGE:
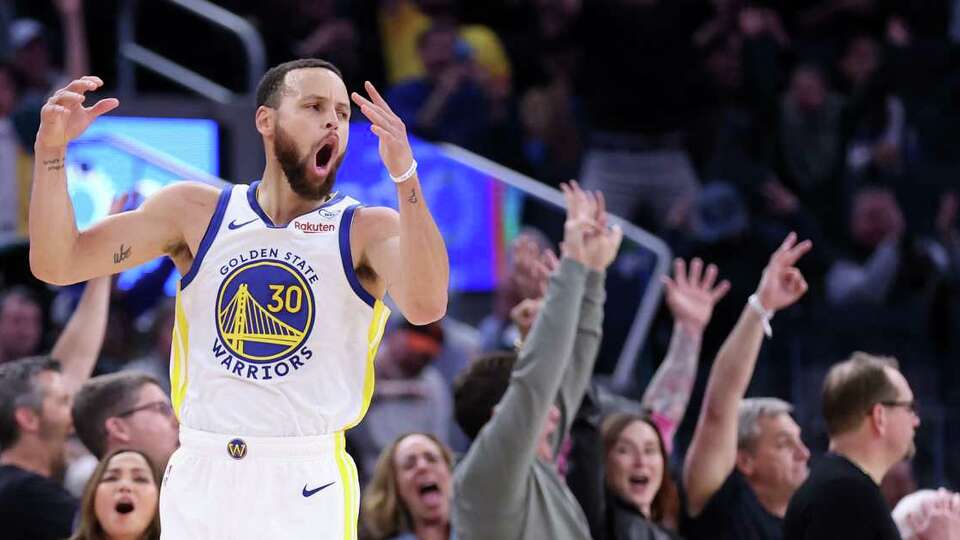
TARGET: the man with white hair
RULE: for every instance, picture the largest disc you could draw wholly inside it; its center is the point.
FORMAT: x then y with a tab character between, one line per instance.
746	457
929	515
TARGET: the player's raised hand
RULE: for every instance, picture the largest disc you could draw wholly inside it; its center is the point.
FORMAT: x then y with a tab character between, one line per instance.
782	284
394	146
63	118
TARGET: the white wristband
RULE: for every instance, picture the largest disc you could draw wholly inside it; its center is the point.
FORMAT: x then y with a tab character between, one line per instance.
410	172
765	316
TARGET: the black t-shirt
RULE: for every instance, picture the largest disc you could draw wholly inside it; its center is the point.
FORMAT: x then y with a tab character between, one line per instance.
733	513
33	507
838	501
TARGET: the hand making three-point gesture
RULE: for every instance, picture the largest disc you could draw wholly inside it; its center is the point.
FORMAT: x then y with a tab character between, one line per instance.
394	146
64	118
586	236
782	284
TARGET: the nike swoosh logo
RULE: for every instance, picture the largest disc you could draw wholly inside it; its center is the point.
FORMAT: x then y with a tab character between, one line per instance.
310	492
233	224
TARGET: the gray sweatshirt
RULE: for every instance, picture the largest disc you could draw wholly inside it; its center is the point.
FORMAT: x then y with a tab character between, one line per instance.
503	491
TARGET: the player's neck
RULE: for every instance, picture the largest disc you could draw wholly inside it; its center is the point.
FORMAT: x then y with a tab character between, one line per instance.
29	457
279	201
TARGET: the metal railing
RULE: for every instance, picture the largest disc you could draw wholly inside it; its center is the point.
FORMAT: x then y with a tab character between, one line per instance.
131	54
627	361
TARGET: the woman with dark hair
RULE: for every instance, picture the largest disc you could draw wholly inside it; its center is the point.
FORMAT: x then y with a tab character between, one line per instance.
621	449
410	493
121	500
641	497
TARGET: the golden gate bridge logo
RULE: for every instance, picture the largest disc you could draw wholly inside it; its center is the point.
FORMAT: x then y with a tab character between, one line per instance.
264	311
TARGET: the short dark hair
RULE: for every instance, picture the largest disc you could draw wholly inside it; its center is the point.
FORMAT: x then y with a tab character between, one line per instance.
852	387
101	398
19	388
272	83
478	389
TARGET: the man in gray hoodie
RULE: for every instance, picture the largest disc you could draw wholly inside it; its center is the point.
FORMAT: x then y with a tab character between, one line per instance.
518	407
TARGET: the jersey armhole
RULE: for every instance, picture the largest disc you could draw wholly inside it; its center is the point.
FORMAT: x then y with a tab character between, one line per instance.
346	257
208	236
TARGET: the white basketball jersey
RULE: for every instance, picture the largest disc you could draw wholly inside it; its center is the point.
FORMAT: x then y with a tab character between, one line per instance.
274	335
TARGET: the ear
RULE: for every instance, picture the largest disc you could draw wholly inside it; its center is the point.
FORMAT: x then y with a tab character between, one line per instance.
265	120
116	429
745	463
878	419
27	419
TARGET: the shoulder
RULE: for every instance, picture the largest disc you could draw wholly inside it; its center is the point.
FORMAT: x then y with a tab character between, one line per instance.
374	223
32	489
183	198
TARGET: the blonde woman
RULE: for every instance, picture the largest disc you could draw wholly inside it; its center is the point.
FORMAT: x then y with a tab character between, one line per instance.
409	496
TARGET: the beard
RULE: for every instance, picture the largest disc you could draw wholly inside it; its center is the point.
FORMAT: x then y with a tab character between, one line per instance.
296	167
55	438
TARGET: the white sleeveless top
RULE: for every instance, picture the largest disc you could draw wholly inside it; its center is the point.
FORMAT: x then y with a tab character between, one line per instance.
274	335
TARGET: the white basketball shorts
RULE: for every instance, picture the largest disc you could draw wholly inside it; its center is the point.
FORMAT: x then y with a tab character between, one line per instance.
224	487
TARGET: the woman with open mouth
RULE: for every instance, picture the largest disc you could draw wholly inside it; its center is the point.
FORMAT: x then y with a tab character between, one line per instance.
410	493
121	500
641	498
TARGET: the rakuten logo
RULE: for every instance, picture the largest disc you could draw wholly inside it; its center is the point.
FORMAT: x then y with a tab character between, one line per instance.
313	228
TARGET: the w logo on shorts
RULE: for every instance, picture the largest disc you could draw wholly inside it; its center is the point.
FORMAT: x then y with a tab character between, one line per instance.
237	449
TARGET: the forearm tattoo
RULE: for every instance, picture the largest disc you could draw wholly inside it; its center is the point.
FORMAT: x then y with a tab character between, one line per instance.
412	198
121	255
55	164
669	391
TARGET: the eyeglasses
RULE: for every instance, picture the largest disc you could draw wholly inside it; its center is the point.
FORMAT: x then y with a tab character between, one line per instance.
911	405
161	407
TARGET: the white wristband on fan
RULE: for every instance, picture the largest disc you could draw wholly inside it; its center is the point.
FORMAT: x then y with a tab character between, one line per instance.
765	316
410	172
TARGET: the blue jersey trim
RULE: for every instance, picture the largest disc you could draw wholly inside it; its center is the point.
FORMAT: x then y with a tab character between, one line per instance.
346	257
255	205
208	236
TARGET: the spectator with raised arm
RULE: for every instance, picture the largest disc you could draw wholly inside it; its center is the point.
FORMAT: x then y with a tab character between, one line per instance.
518	407
619	470
746	458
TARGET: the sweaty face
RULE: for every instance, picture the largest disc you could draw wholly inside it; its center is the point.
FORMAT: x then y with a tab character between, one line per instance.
126	497
423	479
312	129
20	327
779	456
634	466
153	428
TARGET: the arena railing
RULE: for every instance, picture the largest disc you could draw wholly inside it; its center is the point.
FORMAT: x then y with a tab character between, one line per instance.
131	54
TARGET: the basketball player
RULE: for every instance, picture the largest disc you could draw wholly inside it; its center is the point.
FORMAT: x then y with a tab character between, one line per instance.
280	308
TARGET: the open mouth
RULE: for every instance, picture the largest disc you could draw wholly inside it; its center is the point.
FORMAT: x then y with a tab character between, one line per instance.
124	507
324	157
430	494
429	488
639	480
